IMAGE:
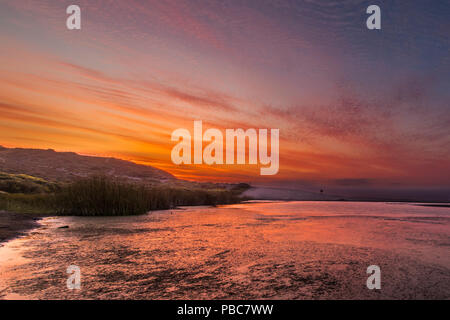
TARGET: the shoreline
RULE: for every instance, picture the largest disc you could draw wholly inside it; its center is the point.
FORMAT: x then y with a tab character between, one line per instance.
13	225
326	260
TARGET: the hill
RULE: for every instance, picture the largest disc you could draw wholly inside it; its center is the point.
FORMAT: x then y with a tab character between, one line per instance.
68	166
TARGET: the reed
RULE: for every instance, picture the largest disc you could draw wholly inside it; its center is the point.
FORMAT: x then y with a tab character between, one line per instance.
104	196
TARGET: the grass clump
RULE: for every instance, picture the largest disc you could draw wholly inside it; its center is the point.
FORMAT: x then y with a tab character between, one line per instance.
104	196
100	196
27	203
22	183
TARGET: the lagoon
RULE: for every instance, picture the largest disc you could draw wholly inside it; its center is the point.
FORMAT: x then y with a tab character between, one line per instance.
256	250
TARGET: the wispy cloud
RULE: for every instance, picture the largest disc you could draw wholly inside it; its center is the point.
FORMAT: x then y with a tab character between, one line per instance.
352	106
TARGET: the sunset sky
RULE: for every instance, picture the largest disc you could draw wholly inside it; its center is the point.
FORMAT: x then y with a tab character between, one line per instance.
354	106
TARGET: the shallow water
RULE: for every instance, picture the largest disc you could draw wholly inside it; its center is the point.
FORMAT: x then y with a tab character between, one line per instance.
285	250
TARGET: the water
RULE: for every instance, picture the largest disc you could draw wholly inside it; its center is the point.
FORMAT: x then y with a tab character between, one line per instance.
286	250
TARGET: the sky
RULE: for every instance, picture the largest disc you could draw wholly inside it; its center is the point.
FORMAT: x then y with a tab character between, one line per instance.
355	107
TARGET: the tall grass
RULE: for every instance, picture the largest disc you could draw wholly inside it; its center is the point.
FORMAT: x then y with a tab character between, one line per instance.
28	203
103	196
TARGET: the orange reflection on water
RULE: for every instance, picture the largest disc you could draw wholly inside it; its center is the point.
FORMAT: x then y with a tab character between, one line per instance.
292	250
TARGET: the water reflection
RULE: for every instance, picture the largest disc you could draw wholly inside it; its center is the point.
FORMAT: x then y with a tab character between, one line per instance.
291	250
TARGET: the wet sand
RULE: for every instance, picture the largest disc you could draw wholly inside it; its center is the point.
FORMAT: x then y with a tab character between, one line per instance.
290	250
13	225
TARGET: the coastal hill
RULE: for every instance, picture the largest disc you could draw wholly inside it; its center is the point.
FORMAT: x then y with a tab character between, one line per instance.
67	166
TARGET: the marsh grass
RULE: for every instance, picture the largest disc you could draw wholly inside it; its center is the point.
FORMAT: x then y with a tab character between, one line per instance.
28	203
104	196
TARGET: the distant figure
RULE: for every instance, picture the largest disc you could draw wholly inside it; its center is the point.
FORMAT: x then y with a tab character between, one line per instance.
321	190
